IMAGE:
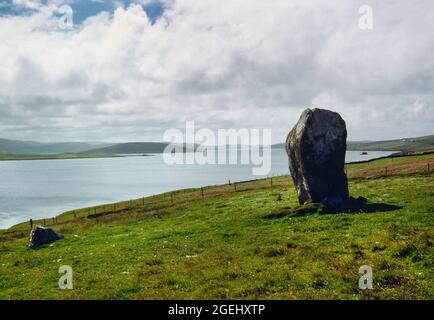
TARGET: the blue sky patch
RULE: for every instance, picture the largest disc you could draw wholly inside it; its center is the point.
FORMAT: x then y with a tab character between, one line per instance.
82	8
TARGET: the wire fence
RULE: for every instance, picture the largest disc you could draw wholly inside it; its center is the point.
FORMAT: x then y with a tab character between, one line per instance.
168	199
156	202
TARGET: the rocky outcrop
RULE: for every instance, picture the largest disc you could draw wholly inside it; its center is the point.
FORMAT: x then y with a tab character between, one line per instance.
41	235
316	149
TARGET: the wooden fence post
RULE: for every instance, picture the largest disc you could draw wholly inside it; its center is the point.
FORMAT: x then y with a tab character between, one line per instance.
235	186
31	223
45	223
201	190
271	181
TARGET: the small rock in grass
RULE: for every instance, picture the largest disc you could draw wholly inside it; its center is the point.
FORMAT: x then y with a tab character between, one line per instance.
42	235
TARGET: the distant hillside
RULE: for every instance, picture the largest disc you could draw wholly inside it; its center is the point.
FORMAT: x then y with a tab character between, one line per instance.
57	156
15	147
32	147
132	148
406	144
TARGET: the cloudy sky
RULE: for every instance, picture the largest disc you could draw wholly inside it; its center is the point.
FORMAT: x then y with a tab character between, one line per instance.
129	70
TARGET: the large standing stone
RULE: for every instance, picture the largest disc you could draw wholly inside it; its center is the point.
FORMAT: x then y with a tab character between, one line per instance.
316	149
41	235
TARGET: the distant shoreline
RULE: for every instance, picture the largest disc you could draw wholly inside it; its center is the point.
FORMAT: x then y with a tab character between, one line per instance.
398	154
65	156
76	156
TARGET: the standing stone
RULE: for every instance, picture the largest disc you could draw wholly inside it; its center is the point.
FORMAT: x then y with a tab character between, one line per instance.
41	235
316	149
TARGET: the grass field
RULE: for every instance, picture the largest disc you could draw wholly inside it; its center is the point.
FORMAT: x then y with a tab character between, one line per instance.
217	244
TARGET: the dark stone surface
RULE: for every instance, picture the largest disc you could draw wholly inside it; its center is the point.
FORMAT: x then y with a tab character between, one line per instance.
41	235
316	149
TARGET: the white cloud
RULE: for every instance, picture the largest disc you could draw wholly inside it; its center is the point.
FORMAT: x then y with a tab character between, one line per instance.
237	64
28	4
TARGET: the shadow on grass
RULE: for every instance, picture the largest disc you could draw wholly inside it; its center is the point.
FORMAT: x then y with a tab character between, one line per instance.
312	208
365	208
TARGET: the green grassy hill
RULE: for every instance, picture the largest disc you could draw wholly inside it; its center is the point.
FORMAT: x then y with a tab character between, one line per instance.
61	156
32	147
134	148
218	244
406	145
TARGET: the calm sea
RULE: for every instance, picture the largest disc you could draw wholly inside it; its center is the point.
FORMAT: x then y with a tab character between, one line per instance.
44	188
